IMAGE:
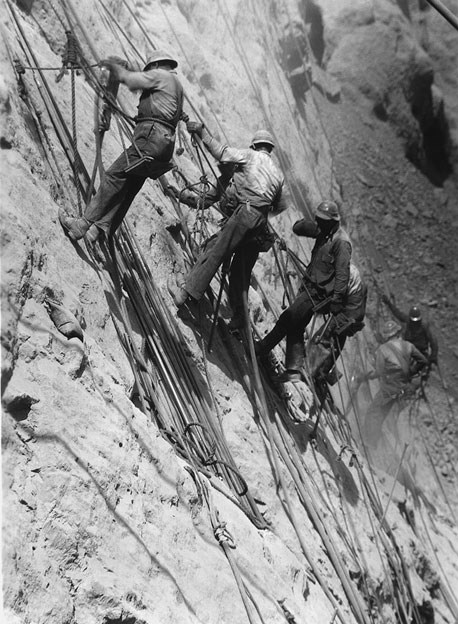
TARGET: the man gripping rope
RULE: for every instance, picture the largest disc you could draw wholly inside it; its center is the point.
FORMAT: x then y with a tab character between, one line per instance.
324	289
159	110
253	192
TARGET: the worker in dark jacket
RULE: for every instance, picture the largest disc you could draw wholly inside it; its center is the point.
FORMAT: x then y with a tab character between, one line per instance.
159	110
416	330
325	286
254	192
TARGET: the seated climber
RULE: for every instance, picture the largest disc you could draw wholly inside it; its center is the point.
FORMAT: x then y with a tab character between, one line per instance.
397	367
338	328
416	330
159	110
254	192
324	286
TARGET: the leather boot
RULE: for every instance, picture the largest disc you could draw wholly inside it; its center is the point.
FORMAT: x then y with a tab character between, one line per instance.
295	354
75	227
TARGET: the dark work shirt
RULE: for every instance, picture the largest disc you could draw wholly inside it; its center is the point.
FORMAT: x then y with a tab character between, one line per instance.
329	266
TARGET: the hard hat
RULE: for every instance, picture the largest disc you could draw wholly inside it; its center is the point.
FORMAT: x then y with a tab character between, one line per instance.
160	55
262	136
390	329
328	210
414	313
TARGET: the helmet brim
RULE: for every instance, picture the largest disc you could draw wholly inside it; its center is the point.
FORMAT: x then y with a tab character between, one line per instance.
326	216
258	143
171	62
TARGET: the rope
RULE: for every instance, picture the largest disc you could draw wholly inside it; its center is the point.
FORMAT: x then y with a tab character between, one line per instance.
128	342
75	143
273	63
445	12
253	83
196	77
186	401
227	542
274	449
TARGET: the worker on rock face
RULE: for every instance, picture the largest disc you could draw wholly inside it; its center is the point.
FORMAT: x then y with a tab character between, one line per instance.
416	330
159	110
326	282
342	325
254	192
397	364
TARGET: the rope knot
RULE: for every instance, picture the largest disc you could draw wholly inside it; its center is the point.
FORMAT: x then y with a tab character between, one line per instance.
223	536
70	56
72	51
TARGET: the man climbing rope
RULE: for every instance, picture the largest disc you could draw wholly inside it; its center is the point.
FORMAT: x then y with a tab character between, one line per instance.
416	330
324	287
254	192
159	110
397	366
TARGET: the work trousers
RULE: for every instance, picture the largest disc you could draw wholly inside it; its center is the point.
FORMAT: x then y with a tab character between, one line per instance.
240	226
354	310
242	264
292	323
118	189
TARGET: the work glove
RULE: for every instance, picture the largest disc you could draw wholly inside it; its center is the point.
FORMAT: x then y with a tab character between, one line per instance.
335	307
114	64
360	378
195	127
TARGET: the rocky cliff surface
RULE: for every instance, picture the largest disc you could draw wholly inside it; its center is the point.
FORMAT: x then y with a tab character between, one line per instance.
114	510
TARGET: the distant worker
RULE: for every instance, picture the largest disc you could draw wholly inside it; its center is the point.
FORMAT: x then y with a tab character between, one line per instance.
324	289
416	330
397	366
254	192
159	110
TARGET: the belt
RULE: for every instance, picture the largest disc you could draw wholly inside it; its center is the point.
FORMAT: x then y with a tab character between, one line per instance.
155	120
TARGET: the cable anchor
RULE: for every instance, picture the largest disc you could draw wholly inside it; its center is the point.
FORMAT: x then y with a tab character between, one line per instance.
20	71
71	55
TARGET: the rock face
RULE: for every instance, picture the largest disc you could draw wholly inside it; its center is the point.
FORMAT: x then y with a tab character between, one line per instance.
147	479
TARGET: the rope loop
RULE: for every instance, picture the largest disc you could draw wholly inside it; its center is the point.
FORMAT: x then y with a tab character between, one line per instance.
209	457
